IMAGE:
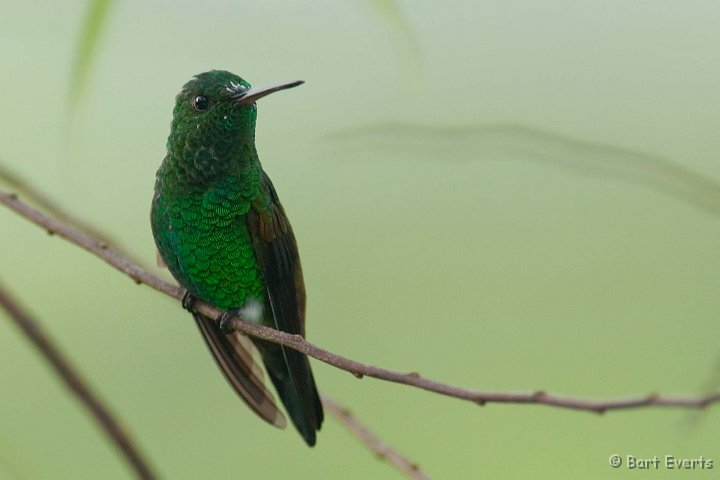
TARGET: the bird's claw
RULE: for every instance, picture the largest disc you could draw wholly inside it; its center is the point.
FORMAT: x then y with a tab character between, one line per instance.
224	321
188	301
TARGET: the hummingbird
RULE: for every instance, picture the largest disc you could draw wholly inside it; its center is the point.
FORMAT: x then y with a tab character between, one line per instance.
220	229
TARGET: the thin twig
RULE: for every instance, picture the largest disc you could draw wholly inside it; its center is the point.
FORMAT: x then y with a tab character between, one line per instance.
296	342
104	418
47	204
383	451
343	415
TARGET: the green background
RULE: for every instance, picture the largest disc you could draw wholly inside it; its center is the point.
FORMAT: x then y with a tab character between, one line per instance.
504	196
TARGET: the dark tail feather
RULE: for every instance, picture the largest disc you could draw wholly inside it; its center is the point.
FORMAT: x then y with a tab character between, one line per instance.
290	372
233	354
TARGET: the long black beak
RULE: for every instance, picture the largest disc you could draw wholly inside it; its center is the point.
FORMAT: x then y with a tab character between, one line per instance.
249	96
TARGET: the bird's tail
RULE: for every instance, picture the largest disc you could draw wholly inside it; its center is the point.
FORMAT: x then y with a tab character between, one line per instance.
290	372
233	353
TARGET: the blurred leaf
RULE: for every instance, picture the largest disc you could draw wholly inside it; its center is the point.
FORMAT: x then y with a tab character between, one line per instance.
500	141
95	23
409	49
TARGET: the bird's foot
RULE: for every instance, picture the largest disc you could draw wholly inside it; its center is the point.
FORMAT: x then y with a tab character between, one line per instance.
188	301
224	321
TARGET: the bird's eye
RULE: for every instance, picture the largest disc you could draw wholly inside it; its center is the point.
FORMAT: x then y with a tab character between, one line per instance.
200	103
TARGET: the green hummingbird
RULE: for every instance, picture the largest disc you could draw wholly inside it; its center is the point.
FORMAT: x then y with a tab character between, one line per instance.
220	229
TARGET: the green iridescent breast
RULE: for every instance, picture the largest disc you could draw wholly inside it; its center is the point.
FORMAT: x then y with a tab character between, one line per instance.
204	240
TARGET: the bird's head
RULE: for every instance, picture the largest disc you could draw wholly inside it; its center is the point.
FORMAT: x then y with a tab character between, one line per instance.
216	110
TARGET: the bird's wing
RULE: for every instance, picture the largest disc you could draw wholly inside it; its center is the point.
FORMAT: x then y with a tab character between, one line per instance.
277	253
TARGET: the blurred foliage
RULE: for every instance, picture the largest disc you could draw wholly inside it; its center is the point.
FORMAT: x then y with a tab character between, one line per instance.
405	42
487	143
96	21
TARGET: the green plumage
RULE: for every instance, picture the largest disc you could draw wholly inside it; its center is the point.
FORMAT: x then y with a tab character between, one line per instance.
220	229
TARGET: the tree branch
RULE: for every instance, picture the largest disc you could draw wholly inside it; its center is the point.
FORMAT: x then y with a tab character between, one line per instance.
139	275
382	450
104	418
103	241
39	198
